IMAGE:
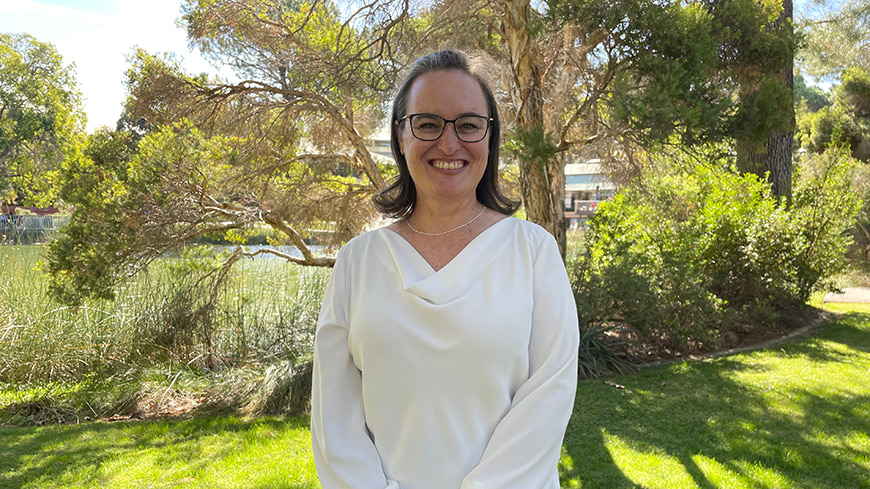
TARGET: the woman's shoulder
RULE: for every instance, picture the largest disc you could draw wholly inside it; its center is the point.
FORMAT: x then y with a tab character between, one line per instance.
362	243
529	230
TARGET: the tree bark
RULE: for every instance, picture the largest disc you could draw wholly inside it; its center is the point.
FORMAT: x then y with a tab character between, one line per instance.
542	185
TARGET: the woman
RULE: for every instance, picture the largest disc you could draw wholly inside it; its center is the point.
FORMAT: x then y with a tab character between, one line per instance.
446	348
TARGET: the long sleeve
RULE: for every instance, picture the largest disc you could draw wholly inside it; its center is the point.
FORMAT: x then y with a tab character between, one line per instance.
344	453
524	449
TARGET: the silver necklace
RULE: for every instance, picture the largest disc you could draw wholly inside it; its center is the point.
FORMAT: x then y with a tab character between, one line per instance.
446	232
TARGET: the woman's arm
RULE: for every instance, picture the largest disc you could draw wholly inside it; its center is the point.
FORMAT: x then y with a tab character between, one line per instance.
524	449
344	453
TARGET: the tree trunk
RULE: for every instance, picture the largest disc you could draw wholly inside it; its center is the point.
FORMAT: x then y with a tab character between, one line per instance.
543	185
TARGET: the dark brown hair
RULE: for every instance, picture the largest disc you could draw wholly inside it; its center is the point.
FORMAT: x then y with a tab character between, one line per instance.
399	198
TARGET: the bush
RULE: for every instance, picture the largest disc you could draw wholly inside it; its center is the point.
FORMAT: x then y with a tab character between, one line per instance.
695	251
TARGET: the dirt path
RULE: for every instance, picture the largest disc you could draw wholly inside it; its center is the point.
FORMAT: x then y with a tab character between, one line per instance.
850	294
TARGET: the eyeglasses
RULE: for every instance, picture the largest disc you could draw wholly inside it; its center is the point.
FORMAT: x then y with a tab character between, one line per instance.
429	127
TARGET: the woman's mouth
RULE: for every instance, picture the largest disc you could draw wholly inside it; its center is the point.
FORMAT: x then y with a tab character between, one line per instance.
448	165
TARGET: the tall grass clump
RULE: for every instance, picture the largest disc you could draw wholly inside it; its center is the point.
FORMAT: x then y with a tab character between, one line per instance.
41	339
694	255
186	310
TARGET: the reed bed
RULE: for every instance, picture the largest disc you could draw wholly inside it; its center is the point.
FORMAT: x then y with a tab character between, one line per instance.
182	310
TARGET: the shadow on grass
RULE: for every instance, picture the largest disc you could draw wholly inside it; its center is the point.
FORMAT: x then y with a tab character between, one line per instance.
715	432
48	455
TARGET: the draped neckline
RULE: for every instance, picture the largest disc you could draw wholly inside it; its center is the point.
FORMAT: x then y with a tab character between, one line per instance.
453	279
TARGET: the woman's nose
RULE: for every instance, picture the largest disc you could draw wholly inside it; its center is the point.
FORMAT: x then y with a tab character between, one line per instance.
449	140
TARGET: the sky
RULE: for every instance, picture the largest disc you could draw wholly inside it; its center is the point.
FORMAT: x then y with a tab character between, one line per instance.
96	35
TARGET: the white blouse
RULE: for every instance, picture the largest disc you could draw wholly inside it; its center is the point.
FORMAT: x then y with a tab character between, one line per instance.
462	378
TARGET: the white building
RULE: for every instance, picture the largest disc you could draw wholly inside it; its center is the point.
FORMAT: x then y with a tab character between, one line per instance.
586	186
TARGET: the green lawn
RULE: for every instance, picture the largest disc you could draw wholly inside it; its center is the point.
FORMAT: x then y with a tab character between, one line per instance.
796	416
202	453
790	417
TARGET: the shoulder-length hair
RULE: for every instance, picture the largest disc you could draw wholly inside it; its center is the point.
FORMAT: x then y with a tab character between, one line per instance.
398	199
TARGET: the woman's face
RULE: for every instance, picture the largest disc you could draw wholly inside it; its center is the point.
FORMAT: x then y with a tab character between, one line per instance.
446	169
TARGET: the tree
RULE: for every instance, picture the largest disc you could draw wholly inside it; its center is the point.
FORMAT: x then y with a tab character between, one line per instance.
591	76
91	251
40	114
773	157
809	98
285	147
691	73
316	81
542	174
565	63
836	37
846	122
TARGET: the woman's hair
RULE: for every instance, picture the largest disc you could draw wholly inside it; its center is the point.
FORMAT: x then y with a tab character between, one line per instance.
399	198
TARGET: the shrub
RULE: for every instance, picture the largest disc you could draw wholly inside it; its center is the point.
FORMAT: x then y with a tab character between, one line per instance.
604	345
695	250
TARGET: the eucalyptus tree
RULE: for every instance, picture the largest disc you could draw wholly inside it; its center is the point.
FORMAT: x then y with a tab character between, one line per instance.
40	115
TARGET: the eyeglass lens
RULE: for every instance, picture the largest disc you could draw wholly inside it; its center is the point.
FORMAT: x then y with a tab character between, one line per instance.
429	127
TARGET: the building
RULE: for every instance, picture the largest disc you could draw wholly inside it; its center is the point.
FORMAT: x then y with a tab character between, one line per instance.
26	225
586	186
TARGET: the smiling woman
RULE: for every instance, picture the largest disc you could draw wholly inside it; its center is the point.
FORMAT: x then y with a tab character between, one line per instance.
446	348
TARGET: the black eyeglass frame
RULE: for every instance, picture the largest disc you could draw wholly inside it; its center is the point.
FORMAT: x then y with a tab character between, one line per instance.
409	117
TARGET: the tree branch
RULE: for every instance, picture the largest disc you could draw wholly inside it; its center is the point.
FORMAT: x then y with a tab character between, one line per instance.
275	220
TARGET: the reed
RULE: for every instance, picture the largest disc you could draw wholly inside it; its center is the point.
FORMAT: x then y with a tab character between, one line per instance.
183	309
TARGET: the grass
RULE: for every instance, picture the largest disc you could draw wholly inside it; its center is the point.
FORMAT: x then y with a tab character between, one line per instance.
791	417
266	311
796	416
197	453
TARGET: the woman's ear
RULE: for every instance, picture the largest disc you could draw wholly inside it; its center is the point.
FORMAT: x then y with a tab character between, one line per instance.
400	139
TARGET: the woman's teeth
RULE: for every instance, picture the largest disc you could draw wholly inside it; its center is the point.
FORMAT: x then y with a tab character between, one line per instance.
447	165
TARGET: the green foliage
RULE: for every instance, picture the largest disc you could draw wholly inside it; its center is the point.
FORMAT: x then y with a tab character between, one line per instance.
836	37
40	114
695	250
94	250
671	85
827	203
534	145
698	71
187	309
137	198
847	121
279	157
761	111
855	92
602	354
810	98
